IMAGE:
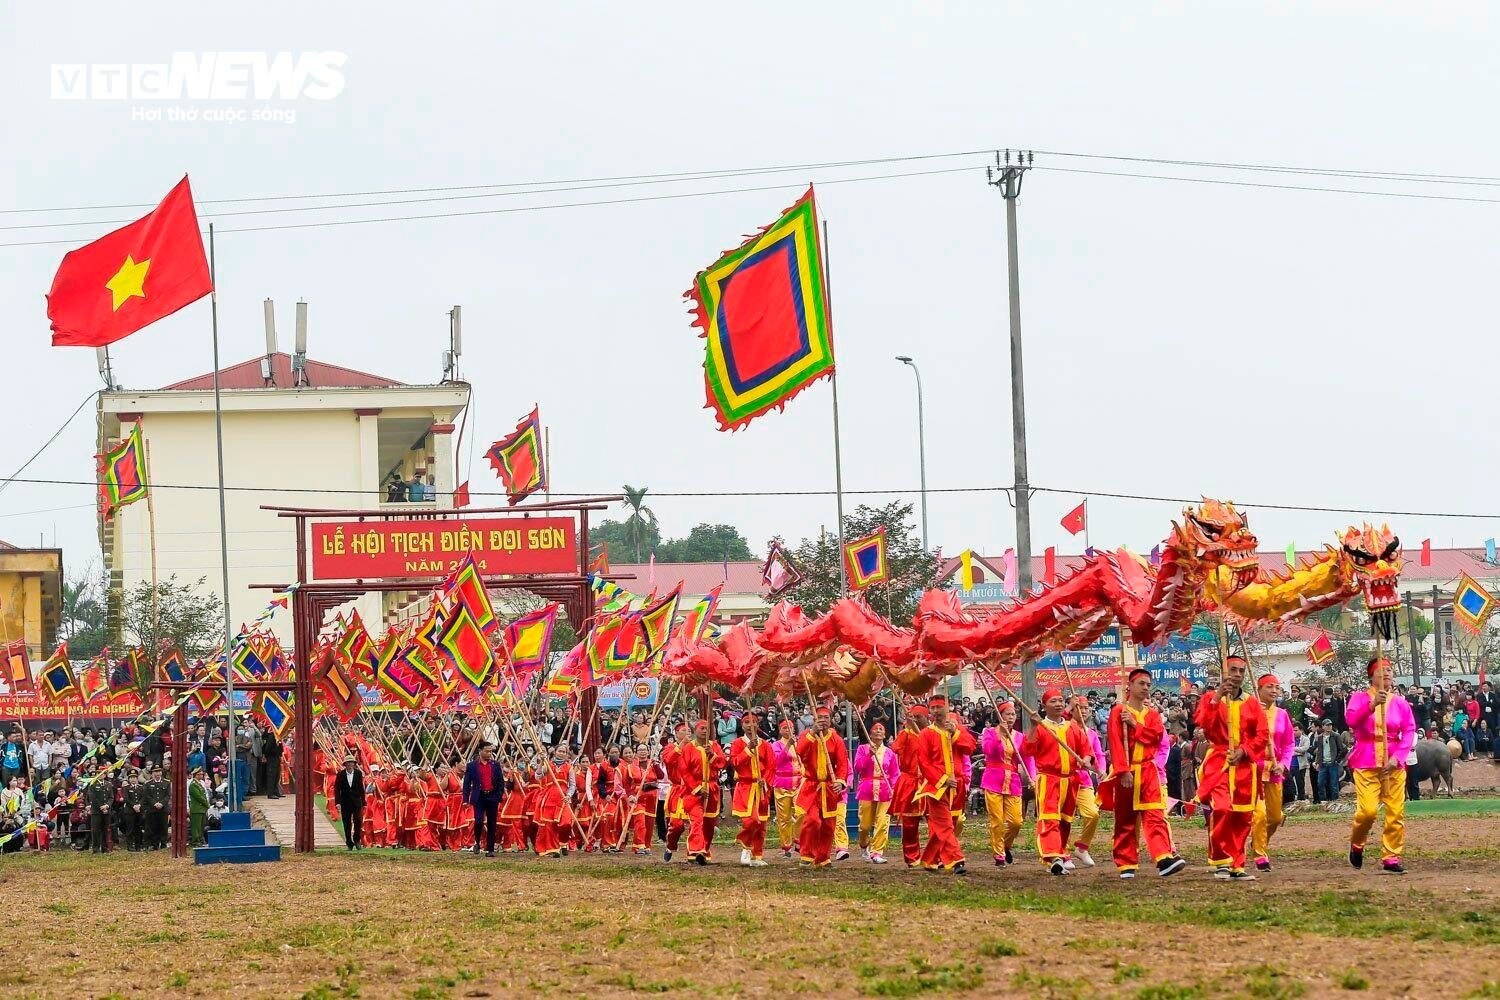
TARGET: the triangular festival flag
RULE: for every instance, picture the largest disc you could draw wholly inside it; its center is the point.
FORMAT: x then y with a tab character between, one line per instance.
1076	520
779	574
131	277
517	459
122	474
762	311
1472	604
1320	649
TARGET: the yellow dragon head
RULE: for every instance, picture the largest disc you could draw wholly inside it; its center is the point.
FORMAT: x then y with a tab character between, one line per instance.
1373	556
1216	534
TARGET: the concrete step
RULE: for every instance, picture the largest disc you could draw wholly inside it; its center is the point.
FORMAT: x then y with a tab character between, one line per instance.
235	855
235	821
236	838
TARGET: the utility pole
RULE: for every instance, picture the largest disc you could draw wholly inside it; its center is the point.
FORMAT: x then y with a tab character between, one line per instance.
1007	176
1416	647
1437	637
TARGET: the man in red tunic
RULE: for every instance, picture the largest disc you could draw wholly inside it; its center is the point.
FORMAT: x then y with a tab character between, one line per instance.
1235	726
677	817
825	777
904	802
554	816
1058	748
699	768
754	763
939	781
512	815
1133	788
650	775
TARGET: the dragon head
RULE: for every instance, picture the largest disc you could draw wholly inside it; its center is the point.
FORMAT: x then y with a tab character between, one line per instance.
1218	534
1375	556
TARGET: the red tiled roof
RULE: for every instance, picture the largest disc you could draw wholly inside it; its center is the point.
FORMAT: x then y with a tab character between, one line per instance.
320	375
6	545
696	578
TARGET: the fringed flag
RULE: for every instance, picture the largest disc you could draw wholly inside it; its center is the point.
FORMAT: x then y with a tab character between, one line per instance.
466	587
340	692
57	678
122	474
355	650
517	459
17	663
1472	604
93	680
656	620
611	646
865	560
395	676
172	667
610	596
699	620
600	563
528	639
277	712
140	673
1320	650
467	648
121	675
247	661
763	312
779	574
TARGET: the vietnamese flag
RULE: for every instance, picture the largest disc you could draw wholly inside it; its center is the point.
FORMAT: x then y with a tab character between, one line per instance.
132	277
1076	519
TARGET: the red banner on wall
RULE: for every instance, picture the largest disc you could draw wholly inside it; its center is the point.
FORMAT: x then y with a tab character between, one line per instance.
123	706
350	550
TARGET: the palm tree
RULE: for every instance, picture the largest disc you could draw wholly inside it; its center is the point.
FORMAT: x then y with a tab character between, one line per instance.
641	524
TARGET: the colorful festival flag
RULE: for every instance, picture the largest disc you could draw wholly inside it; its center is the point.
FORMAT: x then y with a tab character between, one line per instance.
600	563
656	621
93	680
700	617
466	587
865	560
355	650
172	667
611	646
132	277
762	309
277	712
1472	604
1320	650
517	459
122	474
17	663
467	648
779	574
339	690
57	677
529	638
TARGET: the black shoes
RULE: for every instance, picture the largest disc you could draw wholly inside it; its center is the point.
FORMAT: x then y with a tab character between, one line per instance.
1393	868
959	869
1170	866
1357	857
1056	868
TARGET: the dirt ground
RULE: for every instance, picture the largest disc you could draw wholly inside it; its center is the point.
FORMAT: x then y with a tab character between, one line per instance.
390	924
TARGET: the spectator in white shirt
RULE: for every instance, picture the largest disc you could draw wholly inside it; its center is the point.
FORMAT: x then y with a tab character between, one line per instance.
39	752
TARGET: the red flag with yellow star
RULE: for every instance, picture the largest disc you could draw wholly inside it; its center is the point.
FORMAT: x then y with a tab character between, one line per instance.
131	278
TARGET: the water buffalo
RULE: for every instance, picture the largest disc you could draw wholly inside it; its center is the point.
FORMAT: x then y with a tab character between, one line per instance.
1434	762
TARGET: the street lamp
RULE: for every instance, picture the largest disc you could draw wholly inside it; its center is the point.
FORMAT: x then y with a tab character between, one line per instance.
921	443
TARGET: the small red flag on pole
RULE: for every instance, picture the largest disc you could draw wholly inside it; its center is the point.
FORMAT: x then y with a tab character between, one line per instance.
1076	520
132	277
1426	552
1049	565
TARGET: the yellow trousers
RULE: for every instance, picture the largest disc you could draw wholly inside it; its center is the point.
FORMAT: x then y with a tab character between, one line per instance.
1088	818
1268	817
1005	821
841	831
874	825
786	816
1372	789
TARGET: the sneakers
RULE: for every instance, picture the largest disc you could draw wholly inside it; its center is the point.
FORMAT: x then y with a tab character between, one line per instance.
1262	864
758	863
1069	866
877	859
1357	857
745	859
864	854
700	859
1127	873
999	862
666	856
1057	868
786	852
1010	858
1222	873
1240	875
1393	867
804	863
1082	854
1170	866
841	855
959	869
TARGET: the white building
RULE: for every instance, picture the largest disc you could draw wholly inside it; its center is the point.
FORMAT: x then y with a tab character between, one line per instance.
325	436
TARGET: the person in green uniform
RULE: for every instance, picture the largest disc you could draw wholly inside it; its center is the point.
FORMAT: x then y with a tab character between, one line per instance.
197	806
134	796
156	807
101	800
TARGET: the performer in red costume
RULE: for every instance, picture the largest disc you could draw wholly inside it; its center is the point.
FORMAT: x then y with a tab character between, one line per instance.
904	803
940	784
825	777
754	763
1134	789
554	816
1056	746
643	808
1229	781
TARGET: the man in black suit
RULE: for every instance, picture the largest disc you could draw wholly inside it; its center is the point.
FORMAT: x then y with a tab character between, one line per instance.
484	787
350	794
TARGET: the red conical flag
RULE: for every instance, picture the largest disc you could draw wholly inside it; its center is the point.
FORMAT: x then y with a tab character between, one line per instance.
1426	552
1076	519
1049	565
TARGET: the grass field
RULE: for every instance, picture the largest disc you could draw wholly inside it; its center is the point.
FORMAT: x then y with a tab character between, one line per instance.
396	924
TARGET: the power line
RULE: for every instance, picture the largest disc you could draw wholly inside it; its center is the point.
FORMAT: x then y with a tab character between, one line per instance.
1271	168
5	483
1417	196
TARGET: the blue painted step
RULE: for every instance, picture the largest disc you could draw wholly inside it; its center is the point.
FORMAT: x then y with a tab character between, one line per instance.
236	855
235	842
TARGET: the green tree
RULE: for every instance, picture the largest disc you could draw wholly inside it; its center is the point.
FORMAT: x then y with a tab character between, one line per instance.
706	543
616	536
83	622
183	616
912	569
641	530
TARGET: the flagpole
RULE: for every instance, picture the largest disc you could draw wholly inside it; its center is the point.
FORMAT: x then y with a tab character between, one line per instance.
838	460
1086	545
151	530
213	301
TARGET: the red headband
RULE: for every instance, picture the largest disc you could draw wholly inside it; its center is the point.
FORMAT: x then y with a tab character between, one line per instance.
1051	693
1266	679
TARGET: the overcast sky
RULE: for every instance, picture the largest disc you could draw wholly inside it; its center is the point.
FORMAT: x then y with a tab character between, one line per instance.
1263	345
